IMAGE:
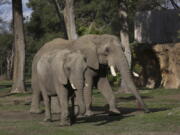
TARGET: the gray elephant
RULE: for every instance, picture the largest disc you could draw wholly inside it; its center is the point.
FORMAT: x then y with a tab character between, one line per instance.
55	70
101	52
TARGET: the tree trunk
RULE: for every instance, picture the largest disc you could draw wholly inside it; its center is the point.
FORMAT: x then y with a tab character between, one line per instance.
60	14
69	19
9	61
125	40
19	48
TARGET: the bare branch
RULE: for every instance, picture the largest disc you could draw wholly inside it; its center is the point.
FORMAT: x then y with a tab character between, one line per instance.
59	8
5	2
174	4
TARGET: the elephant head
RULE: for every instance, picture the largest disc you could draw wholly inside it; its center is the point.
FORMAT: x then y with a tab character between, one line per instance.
107	49
72	66
75	66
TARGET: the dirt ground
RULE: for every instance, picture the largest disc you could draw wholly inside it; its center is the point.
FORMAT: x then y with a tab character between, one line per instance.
164	119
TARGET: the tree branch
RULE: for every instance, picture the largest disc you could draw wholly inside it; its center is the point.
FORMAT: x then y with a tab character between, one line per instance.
174	4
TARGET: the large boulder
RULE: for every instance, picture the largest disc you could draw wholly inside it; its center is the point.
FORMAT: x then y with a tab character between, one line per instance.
169	60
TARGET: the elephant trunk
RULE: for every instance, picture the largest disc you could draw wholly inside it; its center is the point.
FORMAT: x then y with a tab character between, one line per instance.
80	101
123	68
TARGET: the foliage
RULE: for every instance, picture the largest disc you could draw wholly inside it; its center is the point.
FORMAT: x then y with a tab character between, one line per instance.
43	26
97	15
114	81
44	19
92	17
5	51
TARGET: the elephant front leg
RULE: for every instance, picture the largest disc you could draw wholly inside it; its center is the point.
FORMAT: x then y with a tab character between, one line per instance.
106	90
88	94
62	93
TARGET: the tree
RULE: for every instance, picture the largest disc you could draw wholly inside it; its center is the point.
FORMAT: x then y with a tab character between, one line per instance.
124	39
6	59
19	48
69	17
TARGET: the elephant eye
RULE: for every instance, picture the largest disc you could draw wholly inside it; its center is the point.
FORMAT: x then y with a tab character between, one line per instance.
85	59
68	68
107	50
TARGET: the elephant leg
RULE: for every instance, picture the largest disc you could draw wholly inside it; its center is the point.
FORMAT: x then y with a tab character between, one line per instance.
62	93
36	97
123	88
72	111
106	90
47	107
88	92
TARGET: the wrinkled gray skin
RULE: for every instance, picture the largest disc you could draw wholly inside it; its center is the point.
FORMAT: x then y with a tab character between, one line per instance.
54	69
101	51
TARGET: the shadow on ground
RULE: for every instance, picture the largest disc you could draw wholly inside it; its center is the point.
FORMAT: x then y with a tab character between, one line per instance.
130	98
103	118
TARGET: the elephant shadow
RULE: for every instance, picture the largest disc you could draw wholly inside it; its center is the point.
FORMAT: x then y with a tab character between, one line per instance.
129	111
102	118
131	98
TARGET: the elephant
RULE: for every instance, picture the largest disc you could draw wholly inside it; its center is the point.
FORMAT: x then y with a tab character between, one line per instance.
60	73
102	52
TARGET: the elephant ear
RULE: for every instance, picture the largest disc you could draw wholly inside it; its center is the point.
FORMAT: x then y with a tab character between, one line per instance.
88	47
90	53
58	66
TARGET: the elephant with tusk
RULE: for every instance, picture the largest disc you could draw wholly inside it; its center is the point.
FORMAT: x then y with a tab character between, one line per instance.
53	74
102	52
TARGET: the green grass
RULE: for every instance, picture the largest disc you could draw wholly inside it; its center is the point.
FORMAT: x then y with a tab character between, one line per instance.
164	116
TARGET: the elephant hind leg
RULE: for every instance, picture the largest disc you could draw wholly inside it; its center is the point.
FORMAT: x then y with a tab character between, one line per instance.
36	102
47	102
36	97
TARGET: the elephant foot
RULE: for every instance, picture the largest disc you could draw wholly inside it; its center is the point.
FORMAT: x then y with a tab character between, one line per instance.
114	112
125	91
142	107
65	123
146	110
36	111
89	113
47	120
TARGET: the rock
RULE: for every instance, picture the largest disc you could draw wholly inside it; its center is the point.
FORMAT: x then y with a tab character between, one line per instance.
169	60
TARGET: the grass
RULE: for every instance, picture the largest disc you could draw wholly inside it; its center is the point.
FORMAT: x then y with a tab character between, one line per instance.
164	118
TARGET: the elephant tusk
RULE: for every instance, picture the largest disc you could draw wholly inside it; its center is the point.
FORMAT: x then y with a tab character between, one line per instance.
72	85
135	74
113	72
86	84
